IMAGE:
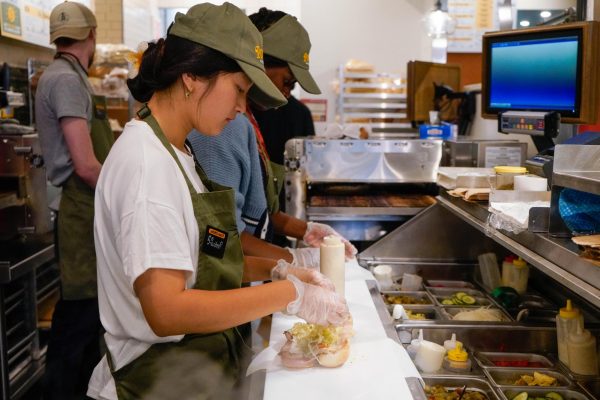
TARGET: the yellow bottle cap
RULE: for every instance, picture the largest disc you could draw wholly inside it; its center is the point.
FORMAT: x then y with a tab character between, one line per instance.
519	263
569	311
458	353
500	169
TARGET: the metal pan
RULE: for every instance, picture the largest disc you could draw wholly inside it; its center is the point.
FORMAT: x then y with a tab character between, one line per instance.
487	359
457	382
407	298
567	394
438	283
506	377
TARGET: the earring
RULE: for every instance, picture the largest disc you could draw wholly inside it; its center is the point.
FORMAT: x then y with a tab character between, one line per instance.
187	93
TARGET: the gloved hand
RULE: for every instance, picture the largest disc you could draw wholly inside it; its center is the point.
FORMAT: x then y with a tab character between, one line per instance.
316	232
283	269
317	305
308	257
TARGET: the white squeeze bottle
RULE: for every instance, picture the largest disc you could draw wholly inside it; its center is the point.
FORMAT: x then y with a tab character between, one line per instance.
333	261
581	346
567	321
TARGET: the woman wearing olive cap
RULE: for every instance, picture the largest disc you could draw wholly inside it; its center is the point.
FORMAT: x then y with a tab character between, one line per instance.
238	157
170	263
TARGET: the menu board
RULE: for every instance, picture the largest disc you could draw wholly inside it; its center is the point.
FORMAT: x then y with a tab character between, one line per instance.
473	18
28	20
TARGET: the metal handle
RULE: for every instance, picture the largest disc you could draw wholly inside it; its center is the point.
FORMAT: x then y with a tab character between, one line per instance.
22	149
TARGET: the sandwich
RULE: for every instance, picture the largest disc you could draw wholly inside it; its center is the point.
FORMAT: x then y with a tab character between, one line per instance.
590	245
309	345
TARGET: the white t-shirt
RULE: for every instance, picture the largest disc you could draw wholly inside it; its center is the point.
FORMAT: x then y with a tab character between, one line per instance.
143	219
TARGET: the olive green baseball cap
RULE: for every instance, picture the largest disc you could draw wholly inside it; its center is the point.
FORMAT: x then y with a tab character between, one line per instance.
227	29
71	20
288	41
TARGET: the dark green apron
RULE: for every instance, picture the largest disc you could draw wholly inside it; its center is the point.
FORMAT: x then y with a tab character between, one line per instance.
275	175
77	256
211	363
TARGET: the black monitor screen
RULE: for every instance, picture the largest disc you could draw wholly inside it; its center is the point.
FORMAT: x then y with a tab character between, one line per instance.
535	72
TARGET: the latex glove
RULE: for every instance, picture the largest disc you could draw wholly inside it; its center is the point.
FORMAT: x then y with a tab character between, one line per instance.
309	257
316	232
317	305
283	269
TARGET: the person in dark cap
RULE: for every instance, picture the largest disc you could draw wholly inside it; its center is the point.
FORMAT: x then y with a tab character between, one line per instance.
170	261
75	138
239	158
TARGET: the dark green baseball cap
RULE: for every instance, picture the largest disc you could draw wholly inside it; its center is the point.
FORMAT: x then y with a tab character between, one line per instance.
227	29
288	41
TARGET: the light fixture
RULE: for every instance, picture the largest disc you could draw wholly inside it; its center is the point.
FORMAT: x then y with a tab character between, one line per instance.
439	25
524	23
545	14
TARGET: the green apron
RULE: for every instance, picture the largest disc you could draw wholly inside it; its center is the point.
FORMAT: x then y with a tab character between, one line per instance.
205	356
77	255
275	175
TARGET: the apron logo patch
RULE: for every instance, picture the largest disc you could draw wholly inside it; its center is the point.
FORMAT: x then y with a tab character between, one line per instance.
215	241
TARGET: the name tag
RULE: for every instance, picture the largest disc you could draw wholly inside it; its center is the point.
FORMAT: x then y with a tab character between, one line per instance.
215	241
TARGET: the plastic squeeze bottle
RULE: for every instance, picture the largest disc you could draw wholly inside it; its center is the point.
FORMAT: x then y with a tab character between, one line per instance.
457	360
414	345
333	262
519	276
567	320
451	343
581	347
506	269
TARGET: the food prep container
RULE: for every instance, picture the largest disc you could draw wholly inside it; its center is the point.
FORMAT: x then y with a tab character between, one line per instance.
407	298
457	382
479	302
506	377
453	310
448	292
566	394
431	314
488	360
437	283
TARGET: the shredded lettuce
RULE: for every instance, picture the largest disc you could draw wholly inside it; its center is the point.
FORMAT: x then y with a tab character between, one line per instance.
309	337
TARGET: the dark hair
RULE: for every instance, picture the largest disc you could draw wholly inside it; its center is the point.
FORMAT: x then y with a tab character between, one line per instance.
263	19
166	60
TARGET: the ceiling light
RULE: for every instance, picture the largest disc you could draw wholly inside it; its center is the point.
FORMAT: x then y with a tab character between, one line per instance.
545	14
524	23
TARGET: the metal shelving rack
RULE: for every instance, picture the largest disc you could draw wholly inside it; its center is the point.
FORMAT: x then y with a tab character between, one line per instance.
375	99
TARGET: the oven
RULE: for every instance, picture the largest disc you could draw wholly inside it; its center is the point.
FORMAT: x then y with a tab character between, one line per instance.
362	188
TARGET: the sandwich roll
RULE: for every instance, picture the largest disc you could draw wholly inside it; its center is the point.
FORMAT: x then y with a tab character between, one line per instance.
309	345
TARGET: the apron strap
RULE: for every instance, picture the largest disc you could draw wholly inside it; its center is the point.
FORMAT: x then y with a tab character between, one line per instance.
146	115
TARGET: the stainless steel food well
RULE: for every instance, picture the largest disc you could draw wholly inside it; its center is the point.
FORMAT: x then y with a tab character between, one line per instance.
488	359
419	296
566	394
458	381
506	377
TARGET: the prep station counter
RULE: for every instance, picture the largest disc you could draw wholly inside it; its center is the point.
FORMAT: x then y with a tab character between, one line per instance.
442	245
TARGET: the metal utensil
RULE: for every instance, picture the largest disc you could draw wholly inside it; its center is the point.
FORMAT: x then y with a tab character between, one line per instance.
462	392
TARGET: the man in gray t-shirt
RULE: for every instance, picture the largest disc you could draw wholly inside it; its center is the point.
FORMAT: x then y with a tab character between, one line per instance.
75	138
60	94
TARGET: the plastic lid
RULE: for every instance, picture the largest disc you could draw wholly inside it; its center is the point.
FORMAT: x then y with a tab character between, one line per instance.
569	311
458	353
451	343
519	263
510	170
332	240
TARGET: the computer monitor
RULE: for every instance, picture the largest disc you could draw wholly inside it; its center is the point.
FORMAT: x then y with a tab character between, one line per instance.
543	69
